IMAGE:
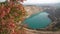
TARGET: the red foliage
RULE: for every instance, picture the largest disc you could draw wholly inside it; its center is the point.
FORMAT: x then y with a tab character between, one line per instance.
7	19
16	0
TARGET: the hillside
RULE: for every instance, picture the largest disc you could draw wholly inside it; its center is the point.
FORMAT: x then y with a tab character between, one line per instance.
31	9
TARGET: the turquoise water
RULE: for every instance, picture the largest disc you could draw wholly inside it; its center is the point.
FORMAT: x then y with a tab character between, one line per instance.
38	21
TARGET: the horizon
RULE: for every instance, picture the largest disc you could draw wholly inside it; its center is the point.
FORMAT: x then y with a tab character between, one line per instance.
38	1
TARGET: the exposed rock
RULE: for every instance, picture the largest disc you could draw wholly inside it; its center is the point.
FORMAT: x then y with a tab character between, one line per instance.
32	10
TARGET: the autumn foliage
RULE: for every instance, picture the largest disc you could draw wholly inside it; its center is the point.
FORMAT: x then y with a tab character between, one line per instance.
11	12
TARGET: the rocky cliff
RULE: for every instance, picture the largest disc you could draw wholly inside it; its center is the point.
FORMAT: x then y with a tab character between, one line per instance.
32	9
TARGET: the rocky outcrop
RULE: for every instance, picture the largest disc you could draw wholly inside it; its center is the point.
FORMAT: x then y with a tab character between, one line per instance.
32	10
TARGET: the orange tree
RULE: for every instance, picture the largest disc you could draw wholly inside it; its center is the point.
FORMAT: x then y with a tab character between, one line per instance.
11	12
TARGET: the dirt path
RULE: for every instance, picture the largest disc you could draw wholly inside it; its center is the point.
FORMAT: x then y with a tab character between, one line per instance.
40	32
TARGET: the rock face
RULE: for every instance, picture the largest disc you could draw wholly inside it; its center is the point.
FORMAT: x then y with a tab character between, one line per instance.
32	10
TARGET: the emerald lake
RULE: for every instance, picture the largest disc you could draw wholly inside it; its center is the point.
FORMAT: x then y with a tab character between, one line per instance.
38	21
